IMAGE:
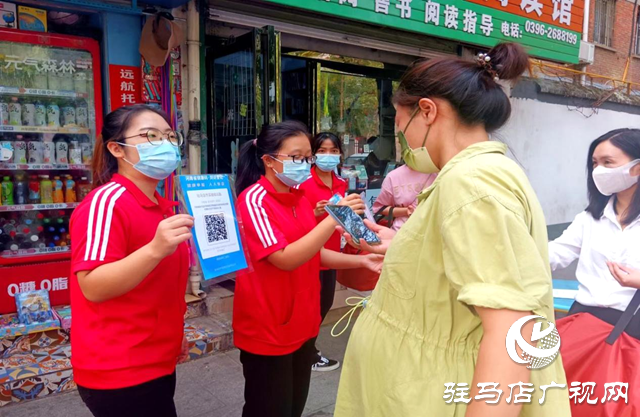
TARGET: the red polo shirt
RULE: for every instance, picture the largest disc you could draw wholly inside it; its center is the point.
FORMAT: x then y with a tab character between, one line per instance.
275	311
136	337
315	190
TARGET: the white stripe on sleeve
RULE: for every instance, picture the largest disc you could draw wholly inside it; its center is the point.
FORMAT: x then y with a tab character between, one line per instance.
107	223
249	203
92	212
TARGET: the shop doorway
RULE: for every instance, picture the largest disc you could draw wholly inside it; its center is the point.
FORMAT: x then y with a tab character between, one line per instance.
253	81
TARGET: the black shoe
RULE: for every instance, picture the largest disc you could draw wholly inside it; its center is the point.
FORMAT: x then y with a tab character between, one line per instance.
325	365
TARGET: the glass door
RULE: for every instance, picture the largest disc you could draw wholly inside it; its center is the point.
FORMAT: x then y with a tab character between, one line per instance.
244	93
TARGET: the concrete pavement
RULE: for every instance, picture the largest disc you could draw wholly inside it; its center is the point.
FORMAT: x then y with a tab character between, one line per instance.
208	387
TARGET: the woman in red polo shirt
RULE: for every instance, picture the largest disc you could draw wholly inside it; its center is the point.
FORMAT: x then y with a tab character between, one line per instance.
276	311
129	271
318	189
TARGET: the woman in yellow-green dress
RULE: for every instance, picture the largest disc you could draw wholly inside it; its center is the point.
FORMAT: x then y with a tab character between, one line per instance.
470	262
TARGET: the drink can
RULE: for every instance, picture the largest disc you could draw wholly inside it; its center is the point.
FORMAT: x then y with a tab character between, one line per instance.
19	152
35	152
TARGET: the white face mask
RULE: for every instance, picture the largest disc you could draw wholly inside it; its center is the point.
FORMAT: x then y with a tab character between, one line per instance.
613	180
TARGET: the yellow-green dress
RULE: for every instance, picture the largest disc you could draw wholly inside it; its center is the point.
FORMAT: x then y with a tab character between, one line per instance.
477	238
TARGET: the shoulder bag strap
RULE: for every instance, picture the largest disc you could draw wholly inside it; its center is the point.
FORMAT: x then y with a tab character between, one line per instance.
625	318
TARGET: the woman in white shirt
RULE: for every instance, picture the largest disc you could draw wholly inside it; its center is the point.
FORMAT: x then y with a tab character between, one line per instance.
605	239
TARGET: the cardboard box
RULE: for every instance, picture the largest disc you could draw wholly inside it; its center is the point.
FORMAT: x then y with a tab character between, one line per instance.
63	314
32	19
10	326
8	15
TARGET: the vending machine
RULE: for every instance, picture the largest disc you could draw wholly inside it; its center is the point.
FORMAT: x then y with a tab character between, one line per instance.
50	113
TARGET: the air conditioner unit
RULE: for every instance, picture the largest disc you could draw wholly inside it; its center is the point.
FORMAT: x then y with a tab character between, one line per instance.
587	52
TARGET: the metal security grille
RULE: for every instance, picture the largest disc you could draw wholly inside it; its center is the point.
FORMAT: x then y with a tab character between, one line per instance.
235	87
605	15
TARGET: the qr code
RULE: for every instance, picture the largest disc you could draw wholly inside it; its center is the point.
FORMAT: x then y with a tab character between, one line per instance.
216	226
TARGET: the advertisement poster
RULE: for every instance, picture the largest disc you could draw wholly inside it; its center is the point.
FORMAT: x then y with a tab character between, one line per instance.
208	198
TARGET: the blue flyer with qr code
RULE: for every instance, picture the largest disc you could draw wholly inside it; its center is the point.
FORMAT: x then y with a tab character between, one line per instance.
209	199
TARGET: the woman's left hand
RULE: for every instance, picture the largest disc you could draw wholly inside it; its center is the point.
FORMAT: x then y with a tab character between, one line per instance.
373	262
627	277
184	352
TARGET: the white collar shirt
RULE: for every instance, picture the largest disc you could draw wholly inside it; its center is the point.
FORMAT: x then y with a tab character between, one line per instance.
593	242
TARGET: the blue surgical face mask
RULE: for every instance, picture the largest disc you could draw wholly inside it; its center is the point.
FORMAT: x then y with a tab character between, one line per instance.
293	174
327	162
156	161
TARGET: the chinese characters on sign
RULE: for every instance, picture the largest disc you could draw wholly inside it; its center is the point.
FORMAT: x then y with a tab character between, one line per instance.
489	392
124	85
549	29
55	284
47	65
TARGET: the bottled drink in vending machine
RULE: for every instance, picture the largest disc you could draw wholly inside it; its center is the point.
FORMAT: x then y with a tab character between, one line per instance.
34	190
40	117
35	151
15	112
53	114
4	111
58	192
7	192
48	152
6	150
82	114
70	195
46	190
21	190
68	112
19	150
75	154
87	151
62	150
84	188
28	113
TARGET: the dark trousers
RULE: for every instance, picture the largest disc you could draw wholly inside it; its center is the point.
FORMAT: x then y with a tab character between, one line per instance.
609	315
327	292
151	399
277	386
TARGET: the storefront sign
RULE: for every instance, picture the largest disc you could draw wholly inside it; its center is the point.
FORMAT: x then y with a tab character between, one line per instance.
547	28
53	277
208	198
124	86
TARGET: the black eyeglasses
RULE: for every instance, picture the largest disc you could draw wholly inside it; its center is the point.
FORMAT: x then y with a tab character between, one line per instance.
298	159
155	137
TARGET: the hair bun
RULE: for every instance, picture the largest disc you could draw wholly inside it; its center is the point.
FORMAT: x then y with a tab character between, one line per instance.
509	60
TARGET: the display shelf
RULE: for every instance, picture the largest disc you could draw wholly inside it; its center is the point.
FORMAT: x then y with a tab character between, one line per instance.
32	207
42	167
34	251
39	92
45	129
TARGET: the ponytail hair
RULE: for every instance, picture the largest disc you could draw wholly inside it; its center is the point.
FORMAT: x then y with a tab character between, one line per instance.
470	87
269	142
115	125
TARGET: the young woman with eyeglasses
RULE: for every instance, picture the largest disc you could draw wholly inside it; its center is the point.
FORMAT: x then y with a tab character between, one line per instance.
276	311
129	270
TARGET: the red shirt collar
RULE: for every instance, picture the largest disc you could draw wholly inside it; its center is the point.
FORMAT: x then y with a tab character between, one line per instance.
335	180
141	197
289	199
